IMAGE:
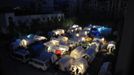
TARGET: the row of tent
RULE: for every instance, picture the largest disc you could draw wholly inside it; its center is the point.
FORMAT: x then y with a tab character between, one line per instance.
71	50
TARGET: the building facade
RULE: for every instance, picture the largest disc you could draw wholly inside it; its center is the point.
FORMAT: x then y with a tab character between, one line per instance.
15	20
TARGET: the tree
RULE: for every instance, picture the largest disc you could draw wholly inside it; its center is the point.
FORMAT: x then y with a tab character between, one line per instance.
68	22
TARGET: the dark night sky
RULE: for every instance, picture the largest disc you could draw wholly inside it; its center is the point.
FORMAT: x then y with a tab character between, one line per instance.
14	2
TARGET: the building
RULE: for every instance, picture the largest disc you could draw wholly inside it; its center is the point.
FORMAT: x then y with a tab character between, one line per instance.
15	20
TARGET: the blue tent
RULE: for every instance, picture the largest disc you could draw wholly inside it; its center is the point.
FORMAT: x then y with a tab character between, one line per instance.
105	31
45	56
37	48
91	52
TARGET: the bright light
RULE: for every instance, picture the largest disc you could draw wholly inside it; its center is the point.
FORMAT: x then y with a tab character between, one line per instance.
94	26
99	29
62	31
77	35
59	31
61	48
88	28
74	26
102	39
40	38
24	43
80	28
86	32
55	42
56	32
28	36
75	29
49	49
88	39
65	38
70	45
83	39
72	30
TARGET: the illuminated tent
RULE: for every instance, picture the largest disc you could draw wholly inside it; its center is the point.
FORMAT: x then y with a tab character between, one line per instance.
79	66
65	62
77	52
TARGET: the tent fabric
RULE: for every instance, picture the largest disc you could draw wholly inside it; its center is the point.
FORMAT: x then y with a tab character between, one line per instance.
44	56
58	52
